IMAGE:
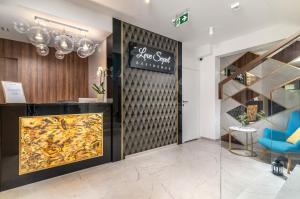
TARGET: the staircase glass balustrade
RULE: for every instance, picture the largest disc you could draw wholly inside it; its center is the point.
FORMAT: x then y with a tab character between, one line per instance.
263	97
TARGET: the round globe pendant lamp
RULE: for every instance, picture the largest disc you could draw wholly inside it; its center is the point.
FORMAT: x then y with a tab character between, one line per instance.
42	49
59	54
38	35
21	27
86	47
64	44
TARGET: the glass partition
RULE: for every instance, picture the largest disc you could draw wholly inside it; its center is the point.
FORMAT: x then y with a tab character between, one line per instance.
260	110
286	149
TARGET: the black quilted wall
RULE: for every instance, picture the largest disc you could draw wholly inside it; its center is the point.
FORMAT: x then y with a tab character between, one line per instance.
149	99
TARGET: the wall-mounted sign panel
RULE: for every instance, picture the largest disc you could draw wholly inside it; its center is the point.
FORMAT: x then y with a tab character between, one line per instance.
148	58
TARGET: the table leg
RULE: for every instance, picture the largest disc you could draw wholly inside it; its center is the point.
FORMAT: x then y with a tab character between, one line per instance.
247	147
289	165
229	147
252	152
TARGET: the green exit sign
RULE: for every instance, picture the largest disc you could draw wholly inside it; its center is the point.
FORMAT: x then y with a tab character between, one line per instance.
181	19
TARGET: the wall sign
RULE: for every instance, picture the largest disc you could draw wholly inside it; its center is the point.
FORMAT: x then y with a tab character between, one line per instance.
147	58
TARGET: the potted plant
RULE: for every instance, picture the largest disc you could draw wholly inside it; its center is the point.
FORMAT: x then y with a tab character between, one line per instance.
100	90
243	119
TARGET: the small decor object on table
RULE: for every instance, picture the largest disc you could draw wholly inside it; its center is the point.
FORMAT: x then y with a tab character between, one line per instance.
100	90
277	167
252	113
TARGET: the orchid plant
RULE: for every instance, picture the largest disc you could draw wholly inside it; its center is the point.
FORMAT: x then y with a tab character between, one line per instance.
101	73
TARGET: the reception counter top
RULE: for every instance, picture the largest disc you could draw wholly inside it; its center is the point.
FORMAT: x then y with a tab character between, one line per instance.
40	141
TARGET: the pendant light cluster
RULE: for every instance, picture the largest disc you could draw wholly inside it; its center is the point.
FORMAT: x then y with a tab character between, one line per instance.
41	37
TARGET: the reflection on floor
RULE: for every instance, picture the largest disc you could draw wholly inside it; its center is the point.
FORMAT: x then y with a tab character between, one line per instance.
247	177
188	171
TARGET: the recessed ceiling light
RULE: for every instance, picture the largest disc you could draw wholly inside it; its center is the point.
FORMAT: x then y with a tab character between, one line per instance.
211	30
147	1
235	5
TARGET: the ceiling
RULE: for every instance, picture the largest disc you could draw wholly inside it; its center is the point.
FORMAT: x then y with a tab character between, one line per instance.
61	11
157	16
96	15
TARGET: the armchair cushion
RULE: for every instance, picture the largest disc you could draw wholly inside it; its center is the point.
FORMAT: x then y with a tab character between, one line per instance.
275	140
275	135
295	137
279	146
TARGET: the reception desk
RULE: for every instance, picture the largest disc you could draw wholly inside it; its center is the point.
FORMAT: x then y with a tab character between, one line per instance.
40	141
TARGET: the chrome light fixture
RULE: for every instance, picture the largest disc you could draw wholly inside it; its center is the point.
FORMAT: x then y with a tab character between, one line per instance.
41	37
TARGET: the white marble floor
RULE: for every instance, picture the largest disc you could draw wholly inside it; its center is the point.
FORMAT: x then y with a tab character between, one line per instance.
188	171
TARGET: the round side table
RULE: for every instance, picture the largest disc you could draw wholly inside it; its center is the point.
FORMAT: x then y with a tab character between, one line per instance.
247	131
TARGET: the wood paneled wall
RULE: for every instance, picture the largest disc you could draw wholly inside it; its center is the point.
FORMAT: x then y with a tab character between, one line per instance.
46	79
8	72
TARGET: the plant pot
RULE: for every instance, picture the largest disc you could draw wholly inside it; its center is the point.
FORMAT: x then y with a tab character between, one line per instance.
100	97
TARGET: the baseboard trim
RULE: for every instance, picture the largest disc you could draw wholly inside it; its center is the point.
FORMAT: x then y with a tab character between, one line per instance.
192	140
152	150
211	139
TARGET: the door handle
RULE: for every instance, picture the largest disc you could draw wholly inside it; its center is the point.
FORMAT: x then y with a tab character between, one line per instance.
184	101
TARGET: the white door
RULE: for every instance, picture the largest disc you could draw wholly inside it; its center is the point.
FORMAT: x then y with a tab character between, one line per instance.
191	107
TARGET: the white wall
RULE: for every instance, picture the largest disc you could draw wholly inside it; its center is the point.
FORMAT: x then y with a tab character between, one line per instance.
210	68
255	39
209	115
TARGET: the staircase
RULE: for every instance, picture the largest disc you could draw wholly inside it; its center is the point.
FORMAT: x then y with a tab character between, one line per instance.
281	51
263	88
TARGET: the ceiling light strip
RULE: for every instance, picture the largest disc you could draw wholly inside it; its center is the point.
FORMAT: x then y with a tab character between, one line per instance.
59	23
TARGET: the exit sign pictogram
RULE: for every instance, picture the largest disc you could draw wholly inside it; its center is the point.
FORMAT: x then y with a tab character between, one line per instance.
181	19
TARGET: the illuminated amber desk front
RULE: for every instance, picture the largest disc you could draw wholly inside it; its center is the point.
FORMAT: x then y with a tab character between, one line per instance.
55	140
39	141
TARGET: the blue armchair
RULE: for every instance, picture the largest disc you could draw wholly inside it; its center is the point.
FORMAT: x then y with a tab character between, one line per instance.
275	140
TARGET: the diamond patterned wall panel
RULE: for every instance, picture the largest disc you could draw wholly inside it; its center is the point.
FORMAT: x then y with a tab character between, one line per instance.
150	108
232	87
273	113
228	104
